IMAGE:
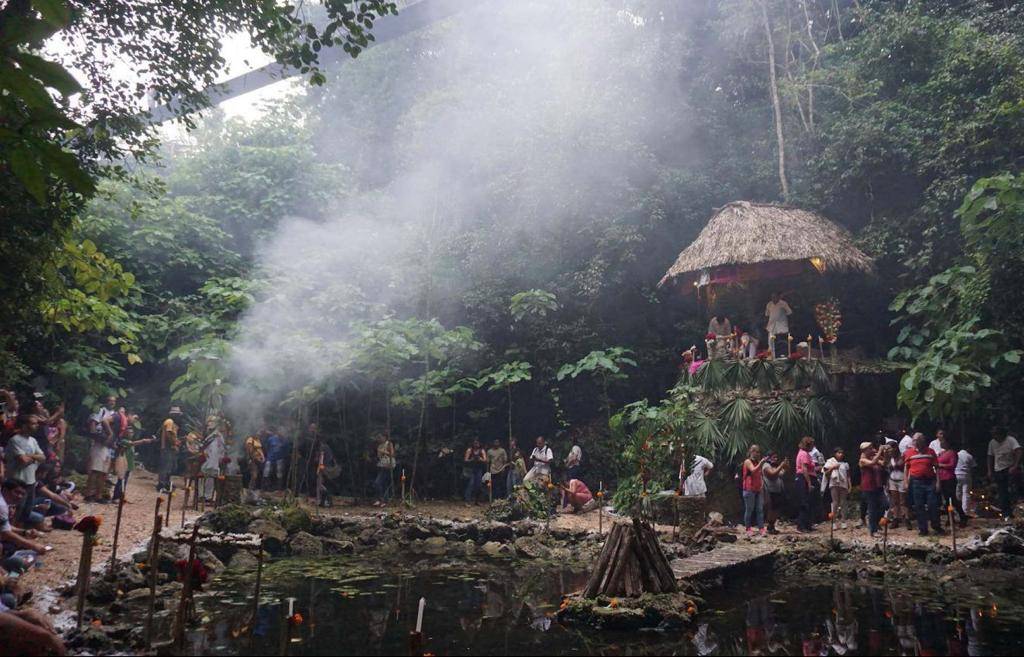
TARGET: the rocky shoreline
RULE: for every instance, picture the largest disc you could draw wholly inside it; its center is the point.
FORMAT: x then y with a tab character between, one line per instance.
116	606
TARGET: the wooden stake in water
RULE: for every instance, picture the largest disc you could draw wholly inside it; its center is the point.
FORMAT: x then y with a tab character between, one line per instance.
600	508
117	528
84	568
286	632
185	601
402	481
831	526
256	593
154	555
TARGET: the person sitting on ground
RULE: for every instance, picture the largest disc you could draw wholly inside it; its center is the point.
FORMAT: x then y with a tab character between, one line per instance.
871	464
12	539
540	464
1004	454
837	480
947	461
753	491
774	485
498	465
695	483
576	497
920	469
27	632
23	459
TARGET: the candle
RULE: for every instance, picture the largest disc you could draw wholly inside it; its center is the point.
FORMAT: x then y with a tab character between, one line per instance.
789	344
810	345
419	615
291	607
821	347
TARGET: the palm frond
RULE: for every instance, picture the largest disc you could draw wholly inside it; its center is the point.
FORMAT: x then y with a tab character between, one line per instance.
820	415
737	374
784	421
711	376
764	375
738	415
705	436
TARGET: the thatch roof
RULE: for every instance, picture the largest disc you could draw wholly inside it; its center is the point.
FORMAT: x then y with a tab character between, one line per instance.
745	233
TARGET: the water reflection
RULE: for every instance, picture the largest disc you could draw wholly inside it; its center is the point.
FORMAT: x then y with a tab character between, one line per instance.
477	610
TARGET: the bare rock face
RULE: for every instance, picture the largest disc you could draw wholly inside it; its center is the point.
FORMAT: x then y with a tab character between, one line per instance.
435	545
274	535
304	544
532	548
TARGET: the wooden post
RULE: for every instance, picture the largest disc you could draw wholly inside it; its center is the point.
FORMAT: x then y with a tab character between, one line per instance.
184	502
84	568
490	492
831	527
186	592
256	593
600	508
286	632
885	539
117	528
154	556
170	496
402	481
952	527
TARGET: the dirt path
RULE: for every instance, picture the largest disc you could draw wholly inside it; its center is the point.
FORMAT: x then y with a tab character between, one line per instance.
61	565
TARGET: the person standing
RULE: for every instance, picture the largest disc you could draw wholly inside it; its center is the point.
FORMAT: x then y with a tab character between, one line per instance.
778	311
920	467
820	500
775	490
936	445
385	466
695	483
965	480
871	463
1004	454
168	449
102	435
23	458
805	487
124	460
474	463
516	470
215	451
540	463
947	460
574	462
255	458
837	476
753	491
274	466
497	460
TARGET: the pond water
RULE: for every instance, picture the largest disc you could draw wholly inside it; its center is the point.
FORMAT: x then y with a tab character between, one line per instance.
355	608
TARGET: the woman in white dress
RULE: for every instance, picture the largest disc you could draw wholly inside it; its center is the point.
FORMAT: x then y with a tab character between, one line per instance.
693	484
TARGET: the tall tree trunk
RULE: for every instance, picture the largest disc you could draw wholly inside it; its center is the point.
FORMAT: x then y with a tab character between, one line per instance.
773	83
509	389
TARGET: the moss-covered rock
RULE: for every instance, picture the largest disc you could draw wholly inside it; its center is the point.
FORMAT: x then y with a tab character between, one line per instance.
233	518
294	519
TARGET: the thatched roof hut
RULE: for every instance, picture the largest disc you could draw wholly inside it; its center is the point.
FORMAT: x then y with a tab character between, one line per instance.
749	241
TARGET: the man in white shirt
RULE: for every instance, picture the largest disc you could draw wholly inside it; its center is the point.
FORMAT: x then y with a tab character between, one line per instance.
540	460
778	311
907	441
936	445
1004	454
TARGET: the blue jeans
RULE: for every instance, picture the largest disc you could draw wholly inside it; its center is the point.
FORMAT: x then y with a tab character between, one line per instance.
382	484
120	486
473	486
753	503
875	501
803	494
925	495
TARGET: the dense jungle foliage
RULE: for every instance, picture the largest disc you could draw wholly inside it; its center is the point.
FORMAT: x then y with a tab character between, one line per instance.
440	241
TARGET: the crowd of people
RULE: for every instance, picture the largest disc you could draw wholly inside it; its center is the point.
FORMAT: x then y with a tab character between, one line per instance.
910	482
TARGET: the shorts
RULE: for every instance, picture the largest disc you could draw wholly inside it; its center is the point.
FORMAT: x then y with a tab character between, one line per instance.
899	486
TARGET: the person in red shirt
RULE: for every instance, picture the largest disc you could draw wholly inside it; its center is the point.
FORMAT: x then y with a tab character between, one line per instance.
947	461
921	470
871	459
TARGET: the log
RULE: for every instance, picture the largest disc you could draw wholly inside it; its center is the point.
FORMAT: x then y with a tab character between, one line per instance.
631	563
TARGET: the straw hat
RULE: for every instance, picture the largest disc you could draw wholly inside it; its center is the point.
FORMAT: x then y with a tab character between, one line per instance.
866	444
175	410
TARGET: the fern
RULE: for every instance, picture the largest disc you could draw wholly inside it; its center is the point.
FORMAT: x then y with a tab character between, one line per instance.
785	421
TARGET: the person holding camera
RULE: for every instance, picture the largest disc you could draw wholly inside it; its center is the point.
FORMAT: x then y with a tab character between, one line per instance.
871	463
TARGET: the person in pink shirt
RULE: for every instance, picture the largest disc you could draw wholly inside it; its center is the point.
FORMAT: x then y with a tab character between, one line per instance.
805	486
576	496
948	459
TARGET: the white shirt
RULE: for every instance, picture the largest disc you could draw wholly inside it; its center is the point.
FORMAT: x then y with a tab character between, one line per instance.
694	484
1003	452
906	443
540	454
778	316
22	446
5	515
720	328
840	476
819	460
575	456
936	447
964	464
214	452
